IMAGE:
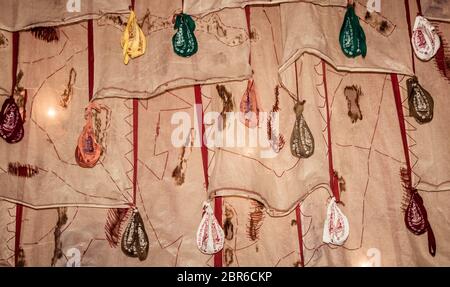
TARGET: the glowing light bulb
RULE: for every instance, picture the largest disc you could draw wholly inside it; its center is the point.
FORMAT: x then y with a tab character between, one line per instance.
51	112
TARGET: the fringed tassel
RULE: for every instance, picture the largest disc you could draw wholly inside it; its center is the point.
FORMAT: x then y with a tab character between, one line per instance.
255	220
114	223
22	170
48	34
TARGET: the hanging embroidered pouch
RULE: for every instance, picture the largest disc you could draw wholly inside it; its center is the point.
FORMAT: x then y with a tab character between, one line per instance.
11	123
210	235
133	40
416	220
420	102
134	239
352	37
336	227
88	151
425	40
184	41
302	140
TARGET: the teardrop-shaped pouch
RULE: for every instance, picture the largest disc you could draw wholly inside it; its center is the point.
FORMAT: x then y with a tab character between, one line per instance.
416	220
11	123
420	102
416	214
352	37
210	235
88	151
425	40
302	140
249	107
184	41
336	227
133	40
134	239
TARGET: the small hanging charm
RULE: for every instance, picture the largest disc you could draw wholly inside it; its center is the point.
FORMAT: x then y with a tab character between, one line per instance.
184	41
133	40
302	140
134	239
275	138
210	235
249	107
425	40
336	227
352	37
420	102
65	98
88	151
11	124
228	105
416	217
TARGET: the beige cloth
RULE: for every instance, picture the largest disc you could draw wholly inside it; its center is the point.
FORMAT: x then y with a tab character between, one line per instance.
282	180
315	29
17	15
7	236
436	10
199	7
51	131
429	142
222	54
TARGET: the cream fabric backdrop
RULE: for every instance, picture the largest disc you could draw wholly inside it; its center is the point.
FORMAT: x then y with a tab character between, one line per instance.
368	154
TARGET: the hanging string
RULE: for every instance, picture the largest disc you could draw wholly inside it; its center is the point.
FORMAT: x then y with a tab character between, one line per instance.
19	207
419	8
334	185
135	137
408	20
204	151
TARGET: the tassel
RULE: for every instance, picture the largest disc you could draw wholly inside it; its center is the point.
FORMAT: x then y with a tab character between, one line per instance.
276	139
22	170
114	223
255	220
48	34
68	92
227	105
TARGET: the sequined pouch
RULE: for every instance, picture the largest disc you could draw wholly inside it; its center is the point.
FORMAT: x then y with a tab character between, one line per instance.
302	140
88	151
184	41
425	40
336	227
11	123
210	236
420	102
352	37
134	239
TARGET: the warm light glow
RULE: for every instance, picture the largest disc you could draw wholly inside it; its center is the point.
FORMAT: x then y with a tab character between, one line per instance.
51	112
